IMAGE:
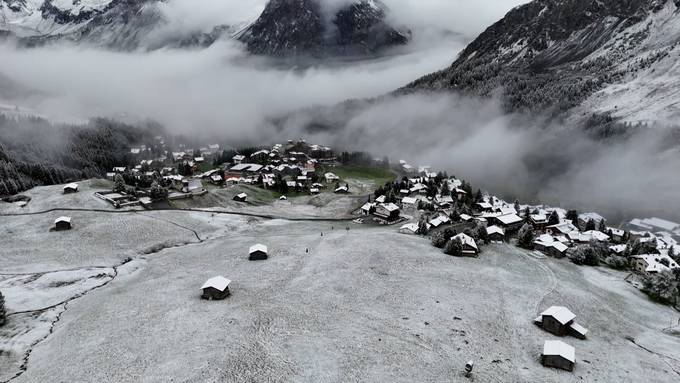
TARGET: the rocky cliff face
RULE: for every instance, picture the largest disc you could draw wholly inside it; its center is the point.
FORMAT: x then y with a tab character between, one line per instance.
555	55
305	28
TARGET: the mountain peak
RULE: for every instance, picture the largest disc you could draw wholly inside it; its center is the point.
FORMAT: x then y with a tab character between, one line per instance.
308	28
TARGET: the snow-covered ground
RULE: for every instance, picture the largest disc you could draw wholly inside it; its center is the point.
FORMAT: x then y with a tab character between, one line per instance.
367	304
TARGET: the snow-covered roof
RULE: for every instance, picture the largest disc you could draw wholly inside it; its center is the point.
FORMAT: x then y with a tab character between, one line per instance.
654	264
367	206
588	216
380	199
578	328
258	247
560	313
559	246
466	240
559	348
597	235
283	197
412	227
71	186
495	230
509	219
390	207
409	200
618	249
485	205
242	195
218	283
661	223
63	219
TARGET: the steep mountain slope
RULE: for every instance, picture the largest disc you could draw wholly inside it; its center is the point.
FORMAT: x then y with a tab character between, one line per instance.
309	28
114	24
557	55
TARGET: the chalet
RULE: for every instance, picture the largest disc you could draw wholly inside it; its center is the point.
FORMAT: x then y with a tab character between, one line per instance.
548	245
216	179
509	222
538	221
465	218
559	320
62	223
389	211
283	198
314	191
381	199
367	208
260	156
584	218
483	206
460	194
244	169
409	202
342	190
199	160
257	252
617	235
243	197
409	228
495	233
562	228
237	159
404	192
439	221
216	288
558	354
470	248
444	202
653	263
331	177
71	188
418	188
617	249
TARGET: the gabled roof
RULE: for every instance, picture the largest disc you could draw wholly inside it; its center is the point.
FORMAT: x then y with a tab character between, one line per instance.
560	313
218	283
466	240
63	219
495	230
242	195
71	186
509	219
559	348
390	207
258	247
409	200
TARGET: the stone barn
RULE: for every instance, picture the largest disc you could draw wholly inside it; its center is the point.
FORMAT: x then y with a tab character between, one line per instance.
258	253
70	188
216	288
62	223
243	197
558	354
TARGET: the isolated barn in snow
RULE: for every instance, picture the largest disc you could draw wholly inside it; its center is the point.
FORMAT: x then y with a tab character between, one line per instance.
62	223
243	197
495	233
216	288
559	355
258	252
559	320
70	188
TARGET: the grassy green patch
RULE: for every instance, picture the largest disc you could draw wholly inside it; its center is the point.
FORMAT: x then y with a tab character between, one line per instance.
378	175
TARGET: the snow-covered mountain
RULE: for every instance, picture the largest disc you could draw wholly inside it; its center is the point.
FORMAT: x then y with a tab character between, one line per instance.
617	57
310	28
114	24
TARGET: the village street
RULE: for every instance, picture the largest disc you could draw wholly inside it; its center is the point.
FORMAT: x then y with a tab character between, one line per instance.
363	304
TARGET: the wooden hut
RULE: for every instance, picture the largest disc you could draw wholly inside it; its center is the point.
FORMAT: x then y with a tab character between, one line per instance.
216	288
70	188
558	354
62	223
243	197
258	252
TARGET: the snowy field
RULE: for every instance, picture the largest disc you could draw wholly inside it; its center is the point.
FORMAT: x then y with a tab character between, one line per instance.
117	299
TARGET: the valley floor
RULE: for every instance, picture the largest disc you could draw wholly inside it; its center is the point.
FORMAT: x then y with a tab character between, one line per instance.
117	299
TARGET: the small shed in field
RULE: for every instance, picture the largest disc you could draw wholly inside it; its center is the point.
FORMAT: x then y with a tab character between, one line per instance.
216	288
243	197
71	188
62	223
560	321
559	355
258	252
